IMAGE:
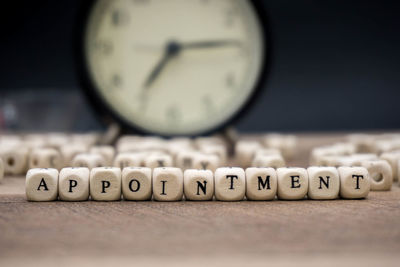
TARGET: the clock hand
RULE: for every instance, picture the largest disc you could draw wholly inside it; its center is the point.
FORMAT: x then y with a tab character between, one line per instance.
171	50
210	44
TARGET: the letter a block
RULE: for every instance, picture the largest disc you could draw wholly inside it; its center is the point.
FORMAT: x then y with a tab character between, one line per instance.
354	182
261	183
323	183
167	184
105	183
198	184
230	184
73	184
136	183
41	184
292	183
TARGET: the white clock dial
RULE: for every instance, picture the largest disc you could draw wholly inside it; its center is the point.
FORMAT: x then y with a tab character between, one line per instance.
174	66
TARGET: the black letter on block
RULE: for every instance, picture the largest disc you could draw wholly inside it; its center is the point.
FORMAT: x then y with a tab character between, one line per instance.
358	180
201	186
72	184
204	165
105	184
163	187
232	177
263	183
160	163
295	181
138	185
43	183
322	181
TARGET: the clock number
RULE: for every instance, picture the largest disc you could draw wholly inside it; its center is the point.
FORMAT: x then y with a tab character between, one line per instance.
209	106
119	18
173	115
116	81
230	80
104	47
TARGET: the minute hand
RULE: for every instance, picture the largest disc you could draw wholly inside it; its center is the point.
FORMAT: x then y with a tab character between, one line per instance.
209	44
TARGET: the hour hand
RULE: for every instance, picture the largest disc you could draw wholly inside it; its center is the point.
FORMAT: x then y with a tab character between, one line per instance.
210	44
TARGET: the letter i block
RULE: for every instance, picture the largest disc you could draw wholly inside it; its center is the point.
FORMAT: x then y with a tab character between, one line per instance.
136	183
167	184
261	183
292	183
230	184
105	184
354	182
198	184
41	184
73	184
323	183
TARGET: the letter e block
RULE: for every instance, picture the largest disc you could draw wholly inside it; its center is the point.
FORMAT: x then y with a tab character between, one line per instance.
292	183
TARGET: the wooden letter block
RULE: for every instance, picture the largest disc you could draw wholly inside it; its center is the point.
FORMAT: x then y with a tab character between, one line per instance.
230	184
292	183
157	160
136	183
89	161
273	161
15	159
198	184
323	183
380	174
392	158
107	152
128	159
167	184
73	184
206	162
105	184
245	152
261	183
45	158
68	152
184	159
41	184
354	182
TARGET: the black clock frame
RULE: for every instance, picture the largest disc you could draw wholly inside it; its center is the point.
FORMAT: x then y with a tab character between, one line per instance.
106	113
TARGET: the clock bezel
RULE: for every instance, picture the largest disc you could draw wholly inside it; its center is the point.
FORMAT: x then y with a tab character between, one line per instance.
106	113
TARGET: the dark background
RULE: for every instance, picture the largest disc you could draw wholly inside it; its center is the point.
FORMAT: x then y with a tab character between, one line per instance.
334	66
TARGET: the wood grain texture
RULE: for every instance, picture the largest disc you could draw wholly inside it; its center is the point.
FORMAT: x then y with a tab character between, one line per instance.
346	232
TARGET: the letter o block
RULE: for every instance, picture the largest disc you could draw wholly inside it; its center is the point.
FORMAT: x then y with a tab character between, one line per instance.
323	183
380	174
136	183
292	183
105	184
261	183
354	182
198	184
41	184
73	184
167	184
230	184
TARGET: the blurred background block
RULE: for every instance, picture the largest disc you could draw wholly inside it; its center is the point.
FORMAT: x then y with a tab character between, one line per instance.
334	66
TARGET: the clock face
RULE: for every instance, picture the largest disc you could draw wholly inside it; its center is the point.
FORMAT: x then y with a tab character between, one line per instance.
174	67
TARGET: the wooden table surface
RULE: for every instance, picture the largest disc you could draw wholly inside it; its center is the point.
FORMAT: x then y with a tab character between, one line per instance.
347	232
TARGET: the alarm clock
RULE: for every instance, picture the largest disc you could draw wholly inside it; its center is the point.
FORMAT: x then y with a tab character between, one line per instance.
172	67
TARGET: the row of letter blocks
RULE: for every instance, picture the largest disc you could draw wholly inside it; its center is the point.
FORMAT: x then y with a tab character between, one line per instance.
170	184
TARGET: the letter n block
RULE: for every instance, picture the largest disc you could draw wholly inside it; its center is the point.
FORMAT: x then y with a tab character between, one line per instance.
41	184
198	184
292	183
354	182
105	184
230	184
323	183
